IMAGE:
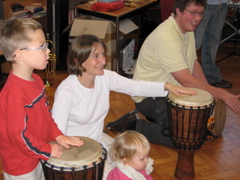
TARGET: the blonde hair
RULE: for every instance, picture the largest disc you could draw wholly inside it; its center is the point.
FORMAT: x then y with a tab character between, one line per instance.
127	144
14	34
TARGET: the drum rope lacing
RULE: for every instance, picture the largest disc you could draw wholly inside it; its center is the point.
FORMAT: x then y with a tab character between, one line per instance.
189	143
194	142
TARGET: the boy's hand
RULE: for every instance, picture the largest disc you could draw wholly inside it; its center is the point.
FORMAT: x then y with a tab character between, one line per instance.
56	151
66	141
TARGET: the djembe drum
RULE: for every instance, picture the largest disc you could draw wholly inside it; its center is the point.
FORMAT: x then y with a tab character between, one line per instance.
83	163
188	117
219	114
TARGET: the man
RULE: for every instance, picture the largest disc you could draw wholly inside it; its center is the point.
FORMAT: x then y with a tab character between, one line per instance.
208	34
169	54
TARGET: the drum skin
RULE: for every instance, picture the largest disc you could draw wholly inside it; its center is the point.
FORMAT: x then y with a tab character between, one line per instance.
84	163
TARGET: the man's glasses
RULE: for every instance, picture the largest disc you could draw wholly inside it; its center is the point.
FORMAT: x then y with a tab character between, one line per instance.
45	47
201	14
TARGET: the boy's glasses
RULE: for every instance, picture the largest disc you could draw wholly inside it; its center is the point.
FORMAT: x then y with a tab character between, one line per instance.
45	47
201	14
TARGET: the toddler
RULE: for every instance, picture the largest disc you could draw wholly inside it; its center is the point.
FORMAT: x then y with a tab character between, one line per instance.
130	151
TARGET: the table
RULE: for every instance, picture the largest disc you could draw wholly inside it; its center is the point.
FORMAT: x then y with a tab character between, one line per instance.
117	16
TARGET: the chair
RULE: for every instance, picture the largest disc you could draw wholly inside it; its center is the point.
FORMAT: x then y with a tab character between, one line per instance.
234	14
166	8
231	20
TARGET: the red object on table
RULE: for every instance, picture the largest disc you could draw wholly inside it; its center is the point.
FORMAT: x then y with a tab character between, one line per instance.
102	6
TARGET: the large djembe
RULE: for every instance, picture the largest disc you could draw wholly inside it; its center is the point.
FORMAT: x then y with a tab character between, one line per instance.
188	117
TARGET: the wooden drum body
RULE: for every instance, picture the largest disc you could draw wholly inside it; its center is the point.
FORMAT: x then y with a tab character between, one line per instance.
82	163
188	118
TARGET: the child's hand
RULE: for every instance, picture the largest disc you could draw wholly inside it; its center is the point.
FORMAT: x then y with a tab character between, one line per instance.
66	141
177	90
56	151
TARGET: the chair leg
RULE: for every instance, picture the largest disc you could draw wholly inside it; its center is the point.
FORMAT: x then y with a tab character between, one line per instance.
234	53
235	31
236	34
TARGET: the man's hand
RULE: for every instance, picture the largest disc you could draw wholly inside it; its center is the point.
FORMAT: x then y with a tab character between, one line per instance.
233	101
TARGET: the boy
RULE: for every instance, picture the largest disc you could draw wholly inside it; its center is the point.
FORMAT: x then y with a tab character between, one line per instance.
25	117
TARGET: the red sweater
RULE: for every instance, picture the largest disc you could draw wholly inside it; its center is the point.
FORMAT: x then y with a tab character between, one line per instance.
26	125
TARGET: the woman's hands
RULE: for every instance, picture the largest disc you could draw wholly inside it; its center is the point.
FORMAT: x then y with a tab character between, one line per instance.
177	90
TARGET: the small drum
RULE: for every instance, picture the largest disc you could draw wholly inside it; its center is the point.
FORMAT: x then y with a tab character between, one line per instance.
188	118
84	163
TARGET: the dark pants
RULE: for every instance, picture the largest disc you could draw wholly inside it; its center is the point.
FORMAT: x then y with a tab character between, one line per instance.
156	110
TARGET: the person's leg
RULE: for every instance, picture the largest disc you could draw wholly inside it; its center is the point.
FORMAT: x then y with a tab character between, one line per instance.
155	109
211	42
107	141
39	172
201	28
36	174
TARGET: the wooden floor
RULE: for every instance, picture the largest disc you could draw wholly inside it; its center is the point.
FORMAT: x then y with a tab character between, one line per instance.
218	159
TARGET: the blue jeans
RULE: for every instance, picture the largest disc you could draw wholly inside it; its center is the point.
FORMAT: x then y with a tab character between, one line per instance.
208	34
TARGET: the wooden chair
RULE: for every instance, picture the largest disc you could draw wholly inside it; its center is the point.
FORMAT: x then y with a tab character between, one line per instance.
166	8
234	24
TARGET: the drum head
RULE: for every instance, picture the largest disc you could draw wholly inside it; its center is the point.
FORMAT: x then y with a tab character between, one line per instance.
77	157
202	98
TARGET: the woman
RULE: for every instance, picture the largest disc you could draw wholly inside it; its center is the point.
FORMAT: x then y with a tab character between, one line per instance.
82	99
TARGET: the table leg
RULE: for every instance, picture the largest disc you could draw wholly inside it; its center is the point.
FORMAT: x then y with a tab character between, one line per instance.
115	64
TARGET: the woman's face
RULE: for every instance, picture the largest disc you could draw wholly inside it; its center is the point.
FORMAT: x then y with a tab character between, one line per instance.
96	61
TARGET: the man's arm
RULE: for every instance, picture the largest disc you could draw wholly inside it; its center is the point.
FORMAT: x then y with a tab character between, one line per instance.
197	80
198	72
